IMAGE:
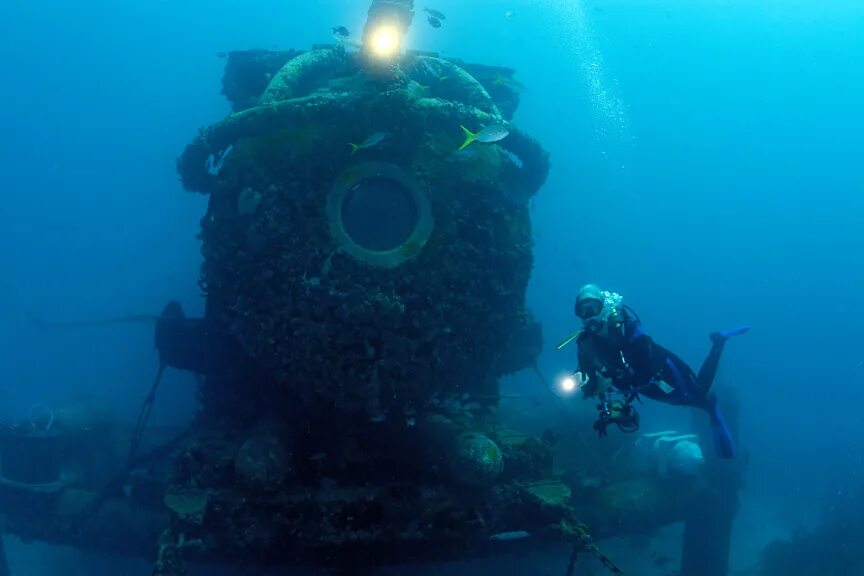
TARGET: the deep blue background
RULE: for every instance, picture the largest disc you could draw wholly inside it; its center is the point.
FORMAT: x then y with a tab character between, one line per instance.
707	164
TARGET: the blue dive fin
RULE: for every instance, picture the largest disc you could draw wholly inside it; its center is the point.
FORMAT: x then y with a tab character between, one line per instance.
722	337
722	437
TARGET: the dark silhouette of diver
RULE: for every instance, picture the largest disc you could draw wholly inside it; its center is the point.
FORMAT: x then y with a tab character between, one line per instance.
615	354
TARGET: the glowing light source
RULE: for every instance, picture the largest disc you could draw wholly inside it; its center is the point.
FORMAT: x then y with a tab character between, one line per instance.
385	41
568	384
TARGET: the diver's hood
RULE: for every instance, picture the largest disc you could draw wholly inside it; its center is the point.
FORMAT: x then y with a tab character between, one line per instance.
612	303
589	292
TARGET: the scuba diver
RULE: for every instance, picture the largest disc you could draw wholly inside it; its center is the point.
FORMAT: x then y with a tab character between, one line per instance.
616	355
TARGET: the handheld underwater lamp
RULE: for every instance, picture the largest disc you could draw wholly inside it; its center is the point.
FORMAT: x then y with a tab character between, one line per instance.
386	25
568	384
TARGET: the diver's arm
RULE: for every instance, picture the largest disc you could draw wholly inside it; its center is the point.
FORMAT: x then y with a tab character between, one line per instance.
587	376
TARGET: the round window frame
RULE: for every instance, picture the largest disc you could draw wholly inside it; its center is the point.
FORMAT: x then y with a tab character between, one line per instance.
359	173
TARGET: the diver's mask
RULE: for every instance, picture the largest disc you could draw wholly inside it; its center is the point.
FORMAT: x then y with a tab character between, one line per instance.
589	308
595	313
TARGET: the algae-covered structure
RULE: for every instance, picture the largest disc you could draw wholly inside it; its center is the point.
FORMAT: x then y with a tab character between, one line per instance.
374	276
365	274
366	283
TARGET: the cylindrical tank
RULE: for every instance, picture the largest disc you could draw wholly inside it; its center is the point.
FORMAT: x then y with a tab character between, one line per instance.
29	457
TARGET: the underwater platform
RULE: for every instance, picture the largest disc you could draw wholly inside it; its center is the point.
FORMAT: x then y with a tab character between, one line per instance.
367	247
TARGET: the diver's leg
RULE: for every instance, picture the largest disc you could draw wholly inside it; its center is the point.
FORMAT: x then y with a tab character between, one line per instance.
723	441
709	367
708	371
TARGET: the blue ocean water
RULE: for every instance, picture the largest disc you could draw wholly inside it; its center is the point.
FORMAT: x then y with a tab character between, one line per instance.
706	165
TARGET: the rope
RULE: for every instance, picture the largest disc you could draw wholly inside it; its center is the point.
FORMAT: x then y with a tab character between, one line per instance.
135	443
144	415
561	406
60	325
584	543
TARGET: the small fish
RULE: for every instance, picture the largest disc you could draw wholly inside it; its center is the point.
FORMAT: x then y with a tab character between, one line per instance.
437	14
508	536
222	55
341	31
318	457
488	135
369	142
466	155
139	474
328	483
434	22
516	160
416	90
550	437
510	82
662	560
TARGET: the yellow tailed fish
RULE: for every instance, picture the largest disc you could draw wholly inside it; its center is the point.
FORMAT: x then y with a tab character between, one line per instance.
488	135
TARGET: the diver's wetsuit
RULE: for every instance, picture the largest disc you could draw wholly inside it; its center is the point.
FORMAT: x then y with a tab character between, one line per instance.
636	364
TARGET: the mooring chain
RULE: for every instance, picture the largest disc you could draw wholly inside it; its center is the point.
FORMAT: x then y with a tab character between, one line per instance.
584	543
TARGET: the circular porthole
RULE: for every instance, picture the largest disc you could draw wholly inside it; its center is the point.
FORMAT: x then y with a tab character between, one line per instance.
379	214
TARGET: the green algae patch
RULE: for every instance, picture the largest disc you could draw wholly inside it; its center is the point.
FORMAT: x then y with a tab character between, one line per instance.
189	506
552	493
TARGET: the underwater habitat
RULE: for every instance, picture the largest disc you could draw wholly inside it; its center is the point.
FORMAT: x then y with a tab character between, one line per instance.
425	287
